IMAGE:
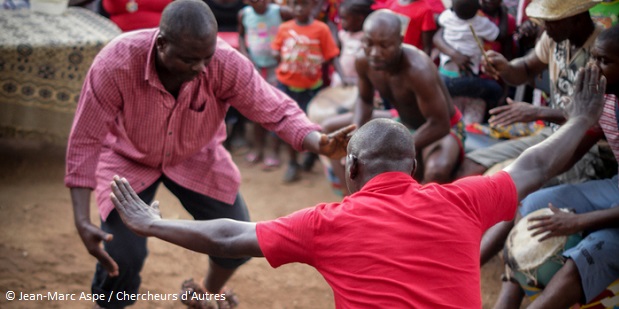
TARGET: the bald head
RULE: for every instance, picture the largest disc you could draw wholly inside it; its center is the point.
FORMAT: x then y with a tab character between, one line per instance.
384	20
381	145
187	19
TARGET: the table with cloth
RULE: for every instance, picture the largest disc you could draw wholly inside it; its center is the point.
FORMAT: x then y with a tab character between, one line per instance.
43	62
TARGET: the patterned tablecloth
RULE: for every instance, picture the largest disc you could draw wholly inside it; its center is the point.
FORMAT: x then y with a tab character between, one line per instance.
43	62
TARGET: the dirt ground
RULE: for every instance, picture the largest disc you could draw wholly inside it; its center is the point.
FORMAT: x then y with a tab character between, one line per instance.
40	250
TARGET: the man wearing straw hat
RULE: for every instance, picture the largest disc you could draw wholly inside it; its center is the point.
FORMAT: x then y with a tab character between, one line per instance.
563	48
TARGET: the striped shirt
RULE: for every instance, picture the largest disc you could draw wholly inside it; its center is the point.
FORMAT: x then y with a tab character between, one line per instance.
609	123
127	124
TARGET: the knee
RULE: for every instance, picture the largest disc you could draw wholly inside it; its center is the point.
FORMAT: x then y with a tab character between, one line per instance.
436	171
536	200
470	168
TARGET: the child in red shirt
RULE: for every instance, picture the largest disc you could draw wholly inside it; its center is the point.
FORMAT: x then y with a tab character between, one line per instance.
302	46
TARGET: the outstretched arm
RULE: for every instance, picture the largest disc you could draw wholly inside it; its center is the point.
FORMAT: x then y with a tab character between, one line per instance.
221	237
543	161
332	145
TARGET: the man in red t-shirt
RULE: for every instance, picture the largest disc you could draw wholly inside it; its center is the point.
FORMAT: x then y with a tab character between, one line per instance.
393	243
418	23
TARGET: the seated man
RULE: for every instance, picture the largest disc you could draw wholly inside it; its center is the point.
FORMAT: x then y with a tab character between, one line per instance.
407	79
593	264
563	49
393	243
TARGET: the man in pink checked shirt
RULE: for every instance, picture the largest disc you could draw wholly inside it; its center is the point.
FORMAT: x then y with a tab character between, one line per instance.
152	108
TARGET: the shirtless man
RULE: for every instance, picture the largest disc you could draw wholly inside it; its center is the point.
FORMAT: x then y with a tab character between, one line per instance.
408	80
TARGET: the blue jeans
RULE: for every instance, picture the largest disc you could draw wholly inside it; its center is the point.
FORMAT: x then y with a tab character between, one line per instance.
596	255
475	87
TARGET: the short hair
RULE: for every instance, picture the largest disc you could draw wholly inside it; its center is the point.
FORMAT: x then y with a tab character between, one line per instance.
187	18
361	7
383	145
466	9
385	18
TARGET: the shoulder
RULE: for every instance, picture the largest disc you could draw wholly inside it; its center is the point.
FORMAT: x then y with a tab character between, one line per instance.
226	54
272	7
447	15
287	24
320	25
417	61
245	11
129	47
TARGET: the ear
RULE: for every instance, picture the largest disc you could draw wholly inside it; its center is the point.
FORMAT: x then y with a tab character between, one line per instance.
160	42
414	167
353	168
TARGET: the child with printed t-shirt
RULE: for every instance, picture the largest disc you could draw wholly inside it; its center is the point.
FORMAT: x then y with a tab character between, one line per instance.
302	45
258	25
457	33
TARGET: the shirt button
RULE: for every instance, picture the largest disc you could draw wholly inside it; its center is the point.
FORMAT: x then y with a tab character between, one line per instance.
170	133
167	154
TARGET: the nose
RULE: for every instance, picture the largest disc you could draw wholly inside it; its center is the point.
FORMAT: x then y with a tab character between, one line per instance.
374	52
199	66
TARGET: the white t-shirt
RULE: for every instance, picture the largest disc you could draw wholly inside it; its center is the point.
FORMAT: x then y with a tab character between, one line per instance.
458	35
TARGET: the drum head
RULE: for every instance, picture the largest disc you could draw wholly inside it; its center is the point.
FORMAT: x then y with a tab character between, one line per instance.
326	103
525	252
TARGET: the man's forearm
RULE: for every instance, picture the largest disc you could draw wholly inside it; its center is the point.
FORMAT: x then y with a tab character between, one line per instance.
553	115
429	133
311	142
518	72
545	160
221	237
595	220
362	112
80	198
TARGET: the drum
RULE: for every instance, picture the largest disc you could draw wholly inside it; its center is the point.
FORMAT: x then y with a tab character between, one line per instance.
533	263
327	102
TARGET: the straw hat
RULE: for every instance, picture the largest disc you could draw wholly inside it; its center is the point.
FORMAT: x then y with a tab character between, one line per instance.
558	9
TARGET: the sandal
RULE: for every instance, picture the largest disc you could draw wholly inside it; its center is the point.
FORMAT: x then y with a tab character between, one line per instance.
194	296
270	163
253	157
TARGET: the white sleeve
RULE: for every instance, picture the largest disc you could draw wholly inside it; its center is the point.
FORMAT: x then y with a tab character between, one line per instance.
486	29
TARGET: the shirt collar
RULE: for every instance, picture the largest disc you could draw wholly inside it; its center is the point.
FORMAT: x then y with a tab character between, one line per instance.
388	179
150	71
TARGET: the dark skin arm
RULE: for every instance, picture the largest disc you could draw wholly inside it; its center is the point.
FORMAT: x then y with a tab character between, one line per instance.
513	72
221	237
432	106
460	59
562	223
241	30
332	145
426	39
523	112
364	106
91	235
533	168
